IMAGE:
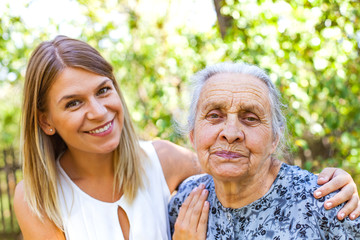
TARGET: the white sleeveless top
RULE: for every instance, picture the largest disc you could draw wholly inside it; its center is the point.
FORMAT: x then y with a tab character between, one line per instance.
86	218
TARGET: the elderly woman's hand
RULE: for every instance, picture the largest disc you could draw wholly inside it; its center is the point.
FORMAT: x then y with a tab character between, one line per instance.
192	220
339	179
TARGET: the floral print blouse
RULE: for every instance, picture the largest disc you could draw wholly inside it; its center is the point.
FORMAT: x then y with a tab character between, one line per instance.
287	211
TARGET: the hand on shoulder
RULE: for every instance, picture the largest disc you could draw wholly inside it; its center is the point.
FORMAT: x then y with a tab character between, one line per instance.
334	179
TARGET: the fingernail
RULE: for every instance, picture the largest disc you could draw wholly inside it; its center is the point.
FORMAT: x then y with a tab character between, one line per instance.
195	189
342	215
202	186
317	194
352	216
328	204
204	192
321	178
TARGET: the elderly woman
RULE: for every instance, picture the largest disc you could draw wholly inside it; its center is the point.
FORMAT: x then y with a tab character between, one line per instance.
236	127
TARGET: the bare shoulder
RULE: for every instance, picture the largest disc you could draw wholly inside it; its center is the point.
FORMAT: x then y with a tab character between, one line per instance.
164	147
177	162
20	205
170	154
19	191
32	227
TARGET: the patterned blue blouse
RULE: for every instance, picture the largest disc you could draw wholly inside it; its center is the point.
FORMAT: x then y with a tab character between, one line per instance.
287	211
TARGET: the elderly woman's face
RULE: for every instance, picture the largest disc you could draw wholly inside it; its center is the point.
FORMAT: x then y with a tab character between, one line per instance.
233	134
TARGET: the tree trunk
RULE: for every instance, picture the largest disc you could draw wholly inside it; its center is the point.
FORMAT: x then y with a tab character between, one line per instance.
224	21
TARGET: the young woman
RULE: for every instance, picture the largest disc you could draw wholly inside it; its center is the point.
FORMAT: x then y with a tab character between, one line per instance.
86	175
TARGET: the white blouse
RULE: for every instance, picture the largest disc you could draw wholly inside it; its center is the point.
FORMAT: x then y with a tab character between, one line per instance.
87	218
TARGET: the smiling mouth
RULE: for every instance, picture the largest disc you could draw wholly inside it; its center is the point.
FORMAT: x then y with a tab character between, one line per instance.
228	154
101	129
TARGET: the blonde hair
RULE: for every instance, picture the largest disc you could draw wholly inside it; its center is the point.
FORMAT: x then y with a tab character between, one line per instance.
39	151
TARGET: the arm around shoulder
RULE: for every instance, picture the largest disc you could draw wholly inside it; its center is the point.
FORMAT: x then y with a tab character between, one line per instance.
31	226
177	162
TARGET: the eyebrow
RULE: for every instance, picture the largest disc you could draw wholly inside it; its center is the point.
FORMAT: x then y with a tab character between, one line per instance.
214	105
71	96
251	107
247	107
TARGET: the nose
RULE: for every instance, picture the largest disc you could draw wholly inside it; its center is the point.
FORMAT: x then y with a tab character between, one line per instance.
232	130
96	110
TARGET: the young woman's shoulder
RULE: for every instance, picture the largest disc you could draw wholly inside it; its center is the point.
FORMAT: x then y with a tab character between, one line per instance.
178	163
31	226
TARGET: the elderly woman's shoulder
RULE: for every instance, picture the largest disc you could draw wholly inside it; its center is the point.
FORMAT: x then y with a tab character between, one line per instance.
191	182
298	185
295	175
184	190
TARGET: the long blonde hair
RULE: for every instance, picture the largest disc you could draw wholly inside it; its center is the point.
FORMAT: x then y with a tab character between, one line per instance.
39	151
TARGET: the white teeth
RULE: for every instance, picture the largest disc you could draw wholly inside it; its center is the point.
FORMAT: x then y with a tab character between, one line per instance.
103	129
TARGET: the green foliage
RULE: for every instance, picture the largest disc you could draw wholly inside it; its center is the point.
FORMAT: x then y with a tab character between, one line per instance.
13	48
309	48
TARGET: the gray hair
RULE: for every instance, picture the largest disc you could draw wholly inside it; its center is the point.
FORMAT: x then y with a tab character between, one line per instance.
277	117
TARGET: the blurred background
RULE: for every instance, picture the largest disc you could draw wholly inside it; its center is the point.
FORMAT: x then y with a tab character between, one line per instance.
310	49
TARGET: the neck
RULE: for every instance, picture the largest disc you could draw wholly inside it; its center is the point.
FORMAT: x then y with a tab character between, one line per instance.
80	165
242	192
92	173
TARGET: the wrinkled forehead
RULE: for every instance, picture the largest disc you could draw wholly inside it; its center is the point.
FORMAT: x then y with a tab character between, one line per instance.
235	90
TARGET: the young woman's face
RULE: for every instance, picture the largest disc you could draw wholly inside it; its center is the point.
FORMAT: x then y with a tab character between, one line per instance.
85	110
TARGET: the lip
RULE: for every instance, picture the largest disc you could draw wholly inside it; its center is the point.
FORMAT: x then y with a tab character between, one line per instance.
100	131
228	154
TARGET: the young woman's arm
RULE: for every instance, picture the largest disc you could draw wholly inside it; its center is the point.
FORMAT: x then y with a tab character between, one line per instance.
178	163
31	226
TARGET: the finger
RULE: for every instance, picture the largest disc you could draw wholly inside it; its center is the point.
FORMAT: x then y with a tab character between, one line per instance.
344	195
325	175
334	184
197	209
183	229
348	208
185	205
193	202
202	228
356	213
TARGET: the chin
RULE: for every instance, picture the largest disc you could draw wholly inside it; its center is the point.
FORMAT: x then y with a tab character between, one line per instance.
110	147
229	175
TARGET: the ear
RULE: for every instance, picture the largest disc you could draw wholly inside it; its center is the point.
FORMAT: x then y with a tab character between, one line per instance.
45	124
274	144
191	136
